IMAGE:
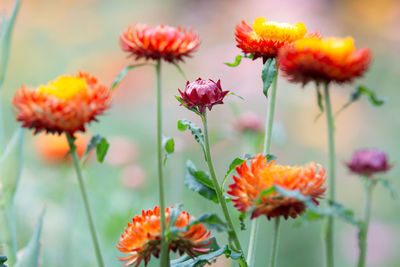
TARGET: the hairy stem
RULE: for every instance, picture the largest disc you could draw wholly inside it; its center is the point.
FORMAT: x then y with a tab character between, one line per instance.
164	243
93	232
267	147
221	199
329	234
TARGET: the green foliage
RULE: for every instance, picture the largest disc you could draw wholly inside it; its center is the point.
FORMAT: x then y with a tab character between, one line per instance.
11	166
195	130
232	166
236	63
30	257
7	25
269	72
180	70
386	184
123	73
200	182
211	221
194	109
168	144
3	260
101	144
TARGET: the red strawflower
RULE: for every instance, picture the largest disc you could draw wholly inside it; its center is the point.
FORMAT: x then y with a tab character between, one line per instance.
159	42
368	162
202	94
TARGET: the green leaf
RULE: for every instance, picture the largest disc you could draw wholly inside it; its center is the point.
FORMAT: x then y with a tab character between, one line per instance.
101	144
360	91
232	166
180	70
269	73
168	144
30	257
232	93
199	181
238	59
123	73
211	221
11	166
386	184
195	130
3	260
7	26
174	213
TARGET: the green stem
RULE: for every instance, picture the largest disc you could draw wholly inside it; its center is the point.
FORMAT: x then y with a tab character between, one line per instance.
275	242
329	234
364	226
8	234
221	199
2	134
93	232
164	243
267	147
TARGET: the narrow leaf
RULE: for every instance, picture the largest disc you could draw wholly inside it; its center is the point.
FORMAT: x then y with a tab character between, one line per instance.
123	73
232	166
195	130
194	109
199	181
180	70
268	74
386	184
238	59
232	93
30	256
168	144
11	166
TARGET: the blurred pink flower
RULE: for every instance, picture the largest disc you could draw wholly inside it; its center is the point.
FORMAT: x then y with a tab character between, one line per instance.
381	244
249	121
133	176
122	151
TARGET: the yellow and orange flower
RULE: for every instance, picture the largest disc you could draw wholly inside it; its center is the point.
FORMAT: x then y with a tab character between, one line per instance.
54	148
142	237
64	105
324	60
159	42
265	38
260	176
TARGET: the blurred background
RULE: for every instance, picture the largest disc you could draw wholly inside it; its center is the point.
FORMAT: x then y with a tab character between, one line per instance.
53	38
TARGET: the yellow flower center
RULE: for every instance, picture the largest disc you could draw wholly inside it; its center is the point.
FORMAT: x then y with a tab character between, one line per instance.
278	31
333	47
64	87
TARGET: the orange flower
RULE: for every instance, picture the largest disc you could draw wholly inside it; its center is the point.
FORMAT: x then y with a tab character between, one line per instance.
324	60
159	42
63	105
261	176
265	38
142	237
54	148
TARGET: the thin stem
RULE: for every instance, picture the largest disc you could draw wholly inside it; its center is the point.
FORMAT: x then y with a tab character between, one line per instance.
275	242
267	147
329	234
8	230
93	232
2	134
221	199
164	243
364	226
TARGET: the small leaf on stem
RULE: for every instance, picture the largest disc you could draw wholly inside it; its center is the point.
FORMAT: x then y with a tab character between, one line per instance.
268	74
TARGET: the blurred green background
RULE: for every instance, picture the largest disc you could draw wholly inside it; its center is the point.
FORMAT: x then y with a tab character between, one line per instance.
52	38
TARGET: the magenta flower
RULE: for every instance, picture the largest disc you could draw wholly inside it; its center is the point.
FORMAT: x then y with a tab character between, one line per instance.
202	94
368	162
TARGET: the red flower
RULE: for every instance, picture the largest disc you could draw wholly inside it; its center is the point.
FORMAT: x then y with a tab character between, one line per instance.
159	42
66	104
265	38
202	94
323	60
142	237
368	162
251	182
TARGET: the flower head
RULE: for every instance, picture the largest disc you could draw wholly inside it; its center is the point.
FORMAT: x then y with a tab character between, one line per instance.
142	237
265	38
249	121
66	104
368	162
54	148
202	94
323	60
252	181
159	42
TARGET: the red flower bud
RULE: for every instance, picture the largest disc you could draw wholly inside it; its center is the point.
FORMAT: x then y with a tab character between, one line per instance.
202	94
368	162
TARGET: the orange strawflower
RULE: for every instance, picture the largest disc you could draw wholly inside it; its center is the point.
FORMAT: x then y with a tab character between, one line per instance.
64	105
260	176
159	42
142	237
324	60
54	148
265	38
